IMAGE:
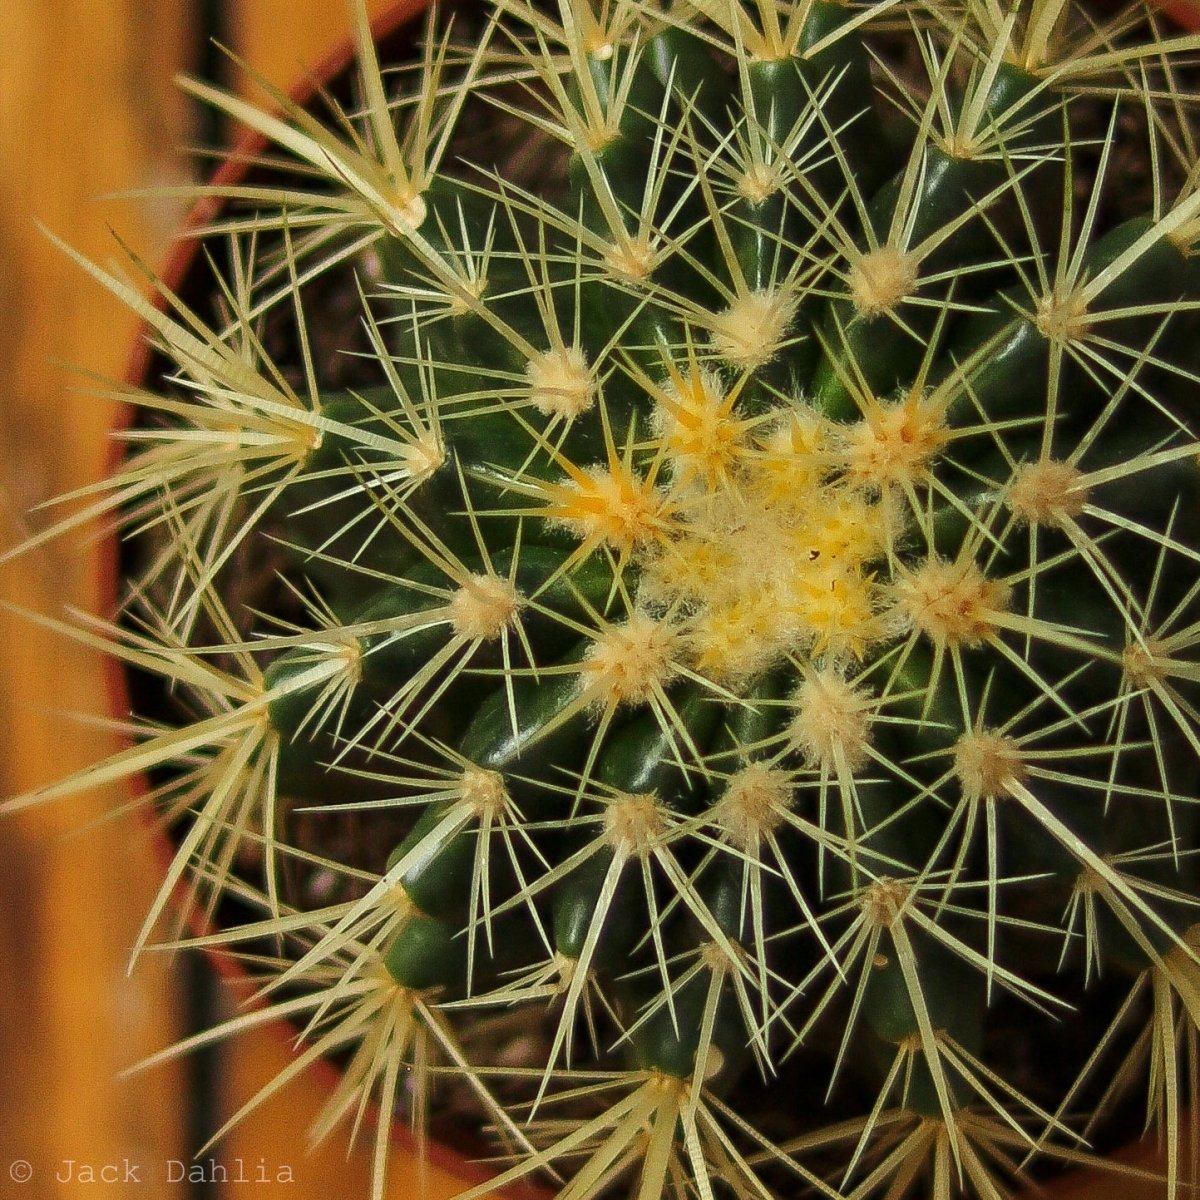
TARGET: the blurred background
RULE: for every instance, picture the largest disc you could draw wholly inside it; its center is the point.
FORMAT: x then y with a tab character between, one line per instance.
88	108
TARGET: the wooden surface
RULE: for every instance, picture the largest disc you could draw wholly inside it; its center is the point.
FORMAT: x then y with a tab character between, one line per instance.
87	108
83	110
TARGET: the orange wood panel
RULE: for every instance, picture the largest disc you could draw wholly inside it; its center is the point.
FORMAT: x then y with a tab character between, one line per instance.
85	108
311	28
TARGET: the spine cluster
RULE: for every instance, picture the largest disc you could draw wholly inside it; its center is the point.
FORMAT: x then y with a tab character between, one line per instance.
702	663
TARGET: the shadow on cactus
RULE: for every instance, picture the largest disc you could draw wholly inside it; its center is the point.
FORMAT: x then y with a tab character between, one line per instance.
736	580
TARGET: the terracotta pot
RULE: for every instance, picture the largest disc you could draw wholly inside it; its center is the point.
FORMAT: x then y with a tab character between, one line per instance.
450	1169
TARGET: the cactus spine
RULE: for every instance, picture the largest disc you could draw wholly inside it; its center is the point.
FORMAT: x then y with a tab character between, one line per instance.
743	588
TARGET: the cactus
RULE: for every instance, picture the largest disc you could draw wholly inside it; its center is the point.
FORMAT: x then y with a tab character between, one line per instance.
718	617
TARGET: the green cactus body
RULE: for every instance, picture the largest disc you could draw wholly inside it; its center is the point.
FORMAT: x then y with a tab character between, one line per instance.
751	608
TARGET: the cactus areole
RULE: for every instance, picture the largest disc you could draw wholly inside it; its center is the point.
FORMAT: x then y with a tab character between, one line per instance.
672	557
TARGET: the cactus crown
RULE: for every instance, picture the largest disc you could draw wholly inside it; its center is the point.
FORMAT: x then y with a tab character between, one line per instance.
733	554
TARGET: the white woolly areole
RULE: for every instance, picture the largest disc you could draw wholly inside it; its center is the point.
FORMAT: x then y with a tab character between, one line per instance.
483	791
987	764
881	279
754	328
1046	492
634	823
753	804
953	603
832	724
630	663
484	607
560	382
